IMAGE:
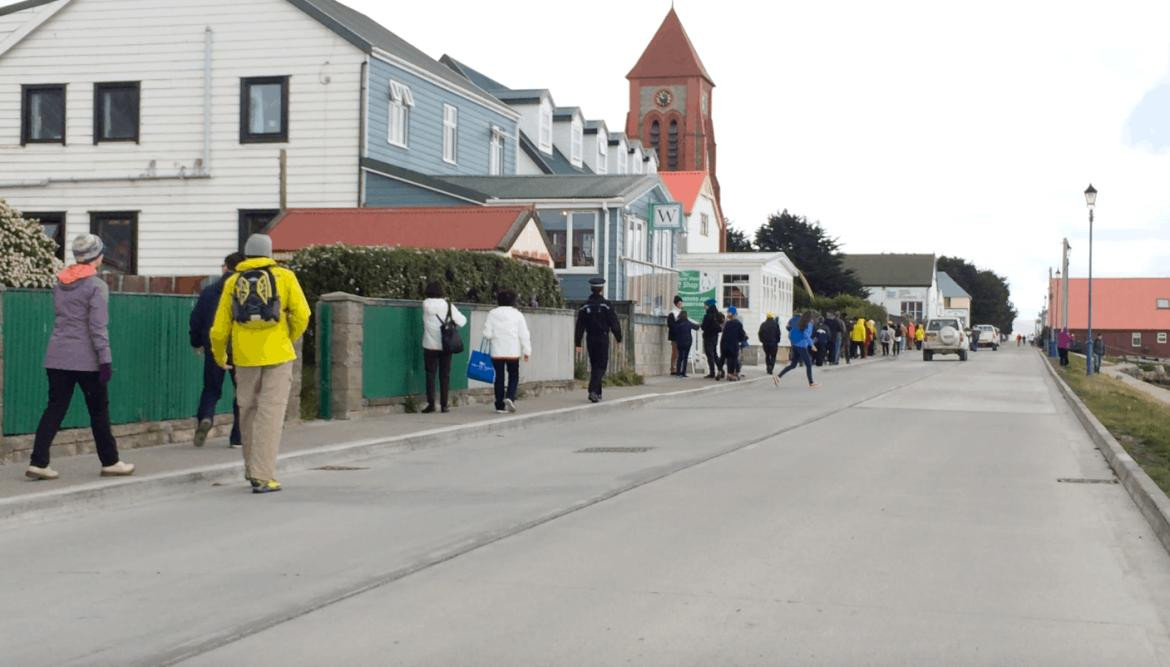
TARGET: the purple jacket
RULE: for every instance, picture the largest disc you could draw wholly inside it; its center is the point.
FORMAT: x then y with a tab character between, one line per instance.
1062	340
80	341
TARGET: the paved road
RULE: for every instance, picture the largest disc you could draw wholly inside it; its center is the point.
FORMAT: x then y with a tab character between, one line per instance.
905	513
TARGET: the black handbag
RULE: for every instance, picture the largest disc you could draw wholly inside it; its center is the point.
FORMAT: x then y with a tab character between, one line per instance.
449	334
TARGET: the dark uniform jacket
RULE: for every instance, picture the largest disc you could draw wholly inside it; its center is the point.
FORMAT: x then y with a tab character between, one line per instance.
712	323
769	333
203	314
733	336
597	319
682	332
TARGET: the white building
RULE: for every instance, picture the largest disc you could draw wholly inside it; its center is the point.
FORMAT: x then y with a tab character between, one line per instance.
904	284
704	222
756	283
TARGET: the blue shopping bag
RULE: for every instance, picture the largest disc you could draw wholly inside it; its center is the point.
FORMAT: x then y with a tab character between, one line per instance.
480	367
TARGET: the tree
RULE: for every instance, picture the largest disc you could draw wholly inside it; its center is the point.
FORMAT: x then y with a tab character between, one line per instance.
737	241
990	293
812	251
28	258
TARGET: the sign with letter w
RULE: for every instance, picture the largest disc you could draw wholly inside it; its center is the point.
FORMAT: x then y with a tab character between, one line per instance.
666	216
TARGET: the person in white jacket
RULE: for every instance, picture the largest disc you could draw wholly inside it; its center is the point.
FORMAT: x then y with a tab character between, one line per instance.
436	362
507	334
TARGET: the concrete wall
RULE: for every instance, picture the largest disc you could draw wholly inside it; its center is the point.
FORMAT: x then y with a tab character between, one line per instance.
651	349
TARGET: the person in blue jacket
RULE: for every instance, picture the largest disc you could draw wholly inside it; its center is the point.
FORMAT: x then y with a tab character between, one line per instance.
734	337
202	318
800	334
683	333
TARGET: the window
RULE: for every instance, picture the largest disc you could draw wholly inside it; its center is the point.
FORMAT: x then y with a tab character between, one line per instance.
704	224
401	101
891	294
544	141
735	290
912	310
663	247
1135	339
496	153
946	302
575	142
639	162
602	154
655	132
115	111
253	221
623	158
672	146
264	109
1162	337
53	224
42	114
636	239
450	133
574	245
119	232
1163	304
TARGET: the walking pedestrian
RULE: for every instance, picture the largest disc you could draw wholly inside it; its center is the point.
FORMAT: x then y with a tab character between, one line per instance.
438	313
671	318
1098	352
833	326
202	317
820	342
885	338
506	331
843	342
911	330
596	320
871	337
769	336
857	339
800	332
684	330
734	337
919	335
261	314
712	326
899	338
79	355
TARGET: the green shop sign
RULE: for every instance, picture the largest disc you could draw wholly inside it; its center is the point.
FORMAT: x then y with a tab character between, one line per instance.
695	287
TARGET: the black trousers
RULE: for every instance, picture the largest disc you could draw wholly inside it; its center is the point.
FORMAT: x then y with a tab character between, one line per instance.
1063	356
684	354
598	349
512	366
60	394
731	360
770	352
711	350
437	362
213	377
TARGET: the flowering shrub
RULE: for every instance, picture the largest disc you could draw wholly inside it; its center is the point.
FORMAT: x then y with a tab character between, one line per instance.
28	258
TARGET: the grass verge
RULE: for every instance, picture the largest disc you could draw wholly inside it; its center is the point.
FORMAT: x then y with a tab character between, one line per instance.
623	378
1141	424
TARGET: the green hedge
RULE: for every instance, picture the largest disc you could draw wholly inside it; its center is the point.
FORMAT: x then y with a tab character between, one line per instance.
852	306
403	273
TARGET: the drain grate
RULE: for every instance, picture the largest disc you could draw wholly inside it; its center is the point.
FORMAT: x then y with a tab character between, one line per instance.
1085	480
613	450
340	468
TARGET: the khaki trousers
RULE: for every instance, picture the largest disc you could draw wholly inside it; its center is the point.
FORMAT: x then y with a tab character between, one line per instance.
262	392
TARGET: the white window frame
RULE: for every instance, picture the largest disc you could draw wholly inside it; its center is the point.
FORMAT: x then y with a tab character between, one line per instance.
1162	304
570	267
544	137
663	247
744	282
602	154
450	134
636	238
704	224
623	159
576	141
496	152
398	117
1135	339
1161	337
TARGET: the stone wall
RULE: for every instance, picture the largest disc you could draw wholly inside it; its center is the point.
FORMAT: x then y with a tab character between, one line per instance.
651	348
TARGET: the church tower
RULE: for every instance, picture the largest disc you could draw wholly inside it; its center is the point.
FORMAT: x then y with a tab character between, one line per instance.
670	102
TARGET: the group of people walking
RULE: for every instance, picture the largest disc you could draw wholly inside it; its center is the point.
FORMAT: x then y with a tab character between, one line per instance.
723	338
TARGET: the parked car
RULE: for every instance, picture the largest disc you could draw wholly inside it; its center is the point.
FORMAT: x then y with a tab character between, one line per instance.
944	335
988	336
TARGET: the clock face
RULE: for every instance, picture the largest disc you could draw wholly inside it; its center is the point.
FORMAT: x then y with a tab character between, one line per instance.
663	98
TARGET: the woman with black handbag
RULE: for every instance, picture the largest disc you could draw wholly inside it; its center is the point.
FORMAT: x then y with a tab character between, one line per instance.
441	340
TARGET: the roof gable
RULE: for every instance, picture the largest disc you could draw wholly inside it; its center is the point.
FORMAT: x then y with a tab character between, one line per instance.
948	287
685	186
457	227
669	54
892	270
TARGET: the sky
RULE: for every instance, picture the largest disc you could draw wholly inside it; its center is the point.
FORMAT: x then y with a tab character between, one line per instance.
966	130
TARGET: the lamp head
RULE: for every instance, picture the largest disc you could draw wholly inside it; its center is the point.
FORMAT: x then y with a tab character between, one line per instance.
1091	196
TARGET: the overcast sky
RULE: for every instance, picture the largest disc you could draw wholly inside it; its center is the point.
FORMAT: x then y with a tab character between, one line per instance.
901	126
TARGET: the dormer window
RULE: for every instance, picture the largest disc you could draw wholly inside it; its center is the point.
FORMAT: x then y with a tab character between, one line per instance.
602	154
576	142
544	140
401	102
623	164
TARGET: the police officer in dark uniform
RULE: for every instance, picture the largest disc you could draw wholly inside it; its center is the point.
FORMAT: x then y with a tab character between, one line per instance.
595	321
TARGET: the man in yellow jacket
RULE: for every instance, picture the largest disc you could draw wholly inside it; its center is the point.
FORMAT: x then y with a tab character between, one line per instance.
857	338
262	312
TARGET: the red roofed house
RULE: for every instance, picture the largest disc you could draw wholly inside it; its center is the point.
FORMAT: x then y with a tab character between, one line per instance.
1132	314
704	220
510	231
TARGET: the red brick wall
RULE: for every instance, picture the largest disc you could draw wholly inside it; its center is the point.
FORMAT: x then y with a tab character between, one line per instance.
1119	342
154	284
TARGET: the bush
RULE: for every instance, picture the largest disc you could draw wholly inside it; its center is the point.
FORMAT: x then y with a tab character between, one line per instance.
403	273
851	307
28	258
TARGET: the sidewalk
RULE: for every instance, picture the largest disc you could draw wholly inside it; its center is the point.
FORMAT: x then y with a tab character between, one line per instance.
318	443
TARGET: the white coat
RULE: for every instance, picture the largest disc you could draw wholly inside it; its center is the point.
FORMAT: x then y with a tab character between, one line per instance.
434	314
507	333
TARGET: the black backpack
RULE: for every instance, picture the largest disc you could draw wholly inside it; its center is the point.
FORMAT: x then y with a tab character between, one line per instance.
255	299
449	333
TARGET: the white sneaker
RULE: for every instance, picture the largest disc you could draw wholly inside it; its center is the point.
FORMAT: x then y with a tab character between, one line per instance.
45	473
509	405
119	469
501	412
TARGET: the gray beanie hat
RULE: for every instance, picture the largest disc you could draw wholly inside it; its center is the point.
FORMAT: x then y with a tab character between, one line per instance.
87	247
258	245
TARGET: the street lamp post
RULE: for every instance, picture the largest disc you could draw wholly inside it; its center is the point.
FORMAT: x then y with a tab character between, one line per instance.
1091	349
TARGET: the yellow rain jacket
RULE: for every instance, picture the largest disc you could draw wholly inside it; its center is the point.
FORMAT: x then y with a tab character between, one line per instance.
267	346
858	333
920	333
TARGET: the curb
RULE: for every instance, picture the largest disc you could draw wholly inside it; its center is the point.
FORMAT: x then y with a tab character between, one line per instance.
1151	501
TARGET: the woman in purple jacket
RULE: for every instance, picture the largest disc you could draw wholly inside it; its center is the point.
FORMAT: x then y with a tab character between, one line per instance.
79	354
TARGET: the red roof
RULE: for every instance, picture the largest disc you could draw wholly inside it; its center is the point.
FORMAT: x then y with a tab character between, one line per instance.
1118	303
684	186
461	228
669	54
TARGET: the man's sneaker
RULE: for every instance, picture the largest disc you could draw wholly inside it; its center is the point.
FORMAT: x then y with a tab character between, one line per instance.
261	486
594	398
509	405
501	412
119	469
233	445
201	432
429	409
254	482
45	473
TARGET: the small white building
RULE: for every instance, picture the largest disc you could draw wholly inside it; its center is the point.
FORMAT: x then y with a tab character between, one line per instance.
756	283
904	284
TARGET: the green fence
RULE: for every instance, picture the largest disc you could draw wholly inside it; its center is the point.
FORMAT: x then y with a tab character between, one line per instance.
157	376
392	357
